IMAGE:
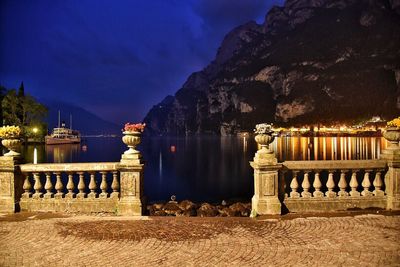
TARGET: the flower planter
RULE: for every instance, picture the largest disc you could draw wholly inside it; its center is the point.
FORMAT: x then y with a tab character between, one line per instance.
392	134
131	139
264	140
264	137
12	144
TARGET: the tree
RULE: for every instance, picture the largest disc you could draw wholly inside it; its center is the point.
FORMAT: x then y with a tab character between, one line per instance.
3	92
21	99
22	109
10	105
32	111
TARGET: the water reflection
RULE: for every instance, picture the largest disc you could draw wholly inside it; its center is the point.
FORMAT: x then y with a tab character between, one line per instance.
328	148
62	153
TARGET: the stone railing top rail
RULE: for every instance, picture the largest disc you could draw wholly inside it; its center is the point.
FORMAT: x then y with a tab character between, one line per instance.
334	164
70	167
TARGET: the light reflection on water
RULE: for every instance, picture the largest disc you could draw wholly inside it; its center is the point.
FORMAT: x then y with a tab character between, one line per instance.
328	148
207	168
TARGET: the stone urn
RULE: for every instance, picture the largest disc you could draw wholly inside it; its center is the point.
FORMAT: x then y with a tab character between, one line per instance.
13	145
131	139
264	140
264	137
392	134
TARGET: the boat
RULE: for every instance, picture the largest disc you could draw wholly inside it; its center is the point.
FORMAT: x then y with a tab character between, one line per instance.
63	135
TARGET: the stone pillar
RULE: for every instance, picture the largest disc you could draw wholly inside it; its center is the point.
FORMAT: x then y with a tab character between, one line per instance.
392	177
10	184
266	173
131	200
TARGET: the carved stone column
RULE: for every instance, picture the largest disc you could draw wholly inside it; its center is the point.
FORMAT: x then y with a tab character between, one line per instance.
266	173
392	177
131	185
10	184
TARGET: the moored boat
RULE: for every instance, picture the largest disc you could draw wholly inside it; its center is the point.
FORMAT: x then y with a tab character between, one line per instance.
63	135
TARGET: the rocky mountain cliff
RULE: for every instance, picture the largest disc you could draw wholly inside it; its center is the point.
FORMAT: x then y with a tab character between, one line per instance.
311	61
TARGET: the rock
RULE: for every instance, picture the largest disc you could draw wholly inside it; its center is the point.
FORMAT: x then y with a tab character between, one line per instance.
207	210
158	206
247	205
187	213
367	19
232	213
155	208
171	208
159	213
239	209
187	205
297	107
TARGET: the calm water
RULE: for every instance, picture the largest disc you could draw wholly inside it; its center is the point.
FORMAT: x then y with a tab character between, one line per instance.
206	168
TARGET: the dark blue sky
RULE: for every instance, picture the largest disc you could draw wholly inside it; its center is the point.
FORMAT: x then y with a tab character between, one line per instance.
114	58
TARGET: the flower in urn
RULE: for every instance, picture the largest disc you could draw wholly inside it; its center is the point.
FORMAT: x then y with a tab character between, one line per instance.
131	138
264	136
392	132
10	136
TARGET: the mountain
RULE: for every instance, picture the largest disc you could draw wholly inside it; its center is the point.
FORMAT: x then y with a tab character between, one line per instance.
82	120
311	61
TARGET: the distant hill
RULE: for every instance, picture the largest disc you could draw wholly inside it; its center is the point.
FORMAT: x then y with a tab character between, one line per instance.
82	120
310	62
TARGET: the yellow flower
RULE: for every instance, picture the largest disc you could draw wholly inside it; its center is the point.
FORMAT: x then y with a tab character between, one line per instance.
10	132
394	123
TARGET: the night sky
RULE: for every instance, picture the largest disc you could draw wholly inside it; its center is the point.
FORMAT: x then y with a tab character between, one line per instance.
114	58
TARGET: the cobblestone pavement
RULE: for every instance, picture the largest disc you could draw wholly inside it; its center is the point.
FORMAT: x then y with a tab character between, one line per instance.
38	240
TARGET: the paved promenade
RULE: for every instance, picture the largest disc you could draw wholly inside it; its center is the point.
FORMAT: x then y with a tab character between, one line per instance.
36	239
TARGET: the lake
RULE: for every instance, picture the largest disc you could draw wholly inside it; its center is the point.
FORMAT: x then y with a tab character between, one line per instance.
206	168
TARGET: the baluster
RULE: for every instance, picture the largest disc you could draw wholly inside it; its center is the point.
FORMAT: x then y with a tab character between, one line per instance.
115	185
59	186
306	185
286	195
343	184
37	186
317	185
366	184
103	185
27	187
294	185
92	186
378	185
330	184
70	186
48	186
81	185
387	184
354	184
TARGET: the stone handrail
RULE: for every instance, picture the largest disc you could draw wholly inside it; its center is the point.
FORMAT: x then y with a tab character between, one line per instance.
70	167
335	164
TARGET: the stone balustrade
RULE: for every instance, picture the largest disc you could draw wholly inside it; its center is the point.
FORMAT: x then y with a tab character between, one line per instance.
324	186
115	187
333	185
88	187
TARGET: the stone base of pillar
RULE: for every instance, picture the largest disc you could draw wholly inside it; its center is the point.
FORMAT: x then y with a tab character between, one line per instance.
392	177
266	206
132	207
393	203
10	184
7	205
